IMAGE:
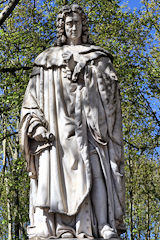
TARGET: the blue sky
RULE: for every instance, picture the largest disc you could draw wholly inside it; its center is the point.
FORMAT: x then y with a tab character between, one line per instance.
132	3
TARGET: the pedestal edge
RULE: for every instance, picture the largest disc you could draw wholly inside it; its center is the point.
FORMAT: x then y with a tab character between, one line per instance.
51	238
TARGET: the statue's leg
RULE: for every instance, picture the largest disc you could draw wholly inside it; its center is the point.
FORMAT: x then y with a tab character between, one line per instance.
99	197
65	226
98	191
85	221
41	221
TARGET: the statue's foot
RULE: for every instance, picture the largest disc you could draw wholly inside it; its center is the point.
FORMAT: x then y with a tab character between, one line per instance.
42	230
107	232
37	231
67	235
42	234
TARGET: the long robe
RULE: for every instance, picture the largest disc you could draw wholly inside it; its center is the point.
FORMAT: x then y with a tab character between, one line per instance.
77	107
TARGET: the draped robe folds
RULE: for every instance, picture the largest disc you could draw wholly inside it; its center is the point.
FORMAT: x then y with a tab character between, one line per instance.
78	108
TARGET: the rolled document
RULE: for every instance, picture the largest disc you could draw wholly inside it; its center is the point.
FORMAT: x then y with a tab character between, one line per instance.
50	137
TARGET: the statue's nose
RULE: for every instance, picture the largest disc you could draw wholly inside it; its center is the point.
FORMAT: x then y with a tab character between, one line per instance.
74	27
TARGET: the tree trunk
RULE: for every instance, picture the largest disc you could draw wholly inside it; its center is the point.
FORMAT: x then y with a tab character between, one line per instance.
131	197
6	182
7	10
148	217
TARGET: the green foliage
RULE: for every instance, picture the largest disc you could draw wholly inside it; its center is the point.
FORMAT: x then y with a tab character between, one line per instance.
133	38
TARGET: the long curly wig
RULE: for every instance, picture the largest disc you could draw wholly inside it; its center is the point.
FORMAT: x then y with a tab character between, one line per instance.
65	11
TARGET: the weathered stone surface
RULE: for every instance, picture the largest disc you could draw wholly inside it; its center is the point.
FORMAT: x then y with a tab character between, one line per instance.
35	238
71	136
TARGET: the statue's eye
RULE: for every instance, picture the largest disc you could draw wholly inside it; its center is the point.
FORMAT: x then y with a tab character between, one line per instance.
69	24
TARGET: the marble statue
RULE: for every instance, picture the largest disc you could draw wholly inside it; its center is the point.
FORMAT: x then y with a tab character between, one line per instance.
71	136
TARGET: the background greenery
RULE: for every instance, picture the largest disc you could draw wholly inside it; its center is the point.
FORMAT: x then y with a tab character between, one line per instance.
133	37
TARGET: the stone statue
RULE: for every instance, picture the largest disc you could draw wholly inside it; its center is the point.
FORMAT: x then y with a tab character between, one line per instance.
71	135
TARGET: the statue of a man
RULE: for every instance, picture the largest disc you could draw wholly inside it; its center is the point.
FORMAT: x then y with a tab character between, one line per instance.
71	136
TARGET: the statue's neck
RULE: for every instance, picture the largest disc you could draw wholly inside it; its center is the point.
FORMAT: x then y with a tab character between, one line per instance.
74	41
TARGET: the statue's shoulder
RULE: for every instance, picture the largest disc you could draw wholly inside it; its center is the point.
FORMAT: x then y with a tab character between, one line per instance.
48	58
87	48
49	55
106	52
53	56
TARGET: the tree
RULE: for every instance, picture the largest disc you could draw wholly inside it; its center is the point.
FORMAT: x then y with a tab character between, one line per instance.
7	10
133	38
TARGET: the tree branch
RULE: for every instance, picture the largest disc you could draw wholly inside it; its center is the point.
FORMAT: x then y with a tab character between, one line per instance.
151	110
3	1
132	145
13	69
8	135
8	10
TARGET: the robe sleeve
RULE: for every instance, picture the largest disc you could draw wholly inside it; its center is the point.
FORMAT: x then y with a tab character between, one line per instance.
110	95
31	118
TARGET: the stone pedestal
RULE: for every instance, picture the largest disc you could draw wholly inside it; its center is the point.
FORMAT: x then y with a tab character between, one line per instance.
51	238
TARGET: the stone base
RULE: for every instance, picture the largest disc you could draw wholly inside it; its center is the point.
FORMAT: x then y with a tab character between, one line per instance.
51	238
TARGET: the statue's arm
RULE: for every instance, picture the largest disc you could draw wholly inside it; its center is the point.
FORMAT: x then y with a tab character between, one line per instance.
110	94
33	120
105	66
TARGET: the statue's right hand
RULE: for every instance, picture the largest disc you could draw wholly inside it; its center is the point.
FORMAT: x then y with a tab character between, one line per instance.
41	134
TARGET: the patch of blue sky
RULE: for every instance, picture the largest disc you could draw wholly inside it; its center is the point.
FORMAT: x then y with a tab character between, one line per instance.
131	4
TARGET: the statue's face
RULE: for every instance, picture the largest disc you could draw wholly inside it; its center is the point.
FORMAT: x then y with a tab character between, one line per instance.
73	26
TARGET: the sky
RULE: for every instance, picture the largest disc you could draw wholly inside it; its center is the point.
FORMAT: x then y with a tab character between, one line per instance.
132	3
